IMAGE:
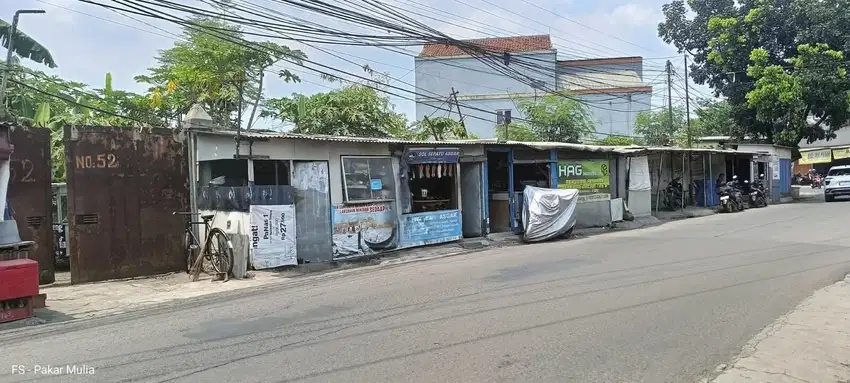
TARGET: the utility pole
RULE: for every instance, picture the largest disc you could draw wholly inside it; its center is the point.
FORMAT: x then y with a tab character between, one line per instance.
670	93
8	64
687	102
459	114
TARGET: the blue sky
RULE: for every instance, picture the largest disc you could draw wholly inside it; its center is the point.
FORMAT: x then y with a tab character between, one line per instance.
88	41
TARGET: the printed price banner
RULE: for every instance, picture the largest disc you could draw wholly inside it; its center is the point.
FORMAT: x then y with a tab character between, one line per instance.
272	236
590	177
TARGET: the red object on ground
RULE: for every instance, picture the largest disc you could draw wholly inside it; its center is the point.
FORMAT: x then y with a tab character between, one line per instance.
18	279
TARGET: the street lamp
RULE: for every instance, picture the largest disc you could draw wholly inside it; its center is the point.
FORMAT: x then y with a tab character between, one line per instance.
11	47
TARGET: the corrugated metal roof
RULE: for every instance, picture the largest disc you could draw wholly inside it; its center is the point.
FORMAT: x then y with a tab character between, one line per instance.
600	80
534	145
511	44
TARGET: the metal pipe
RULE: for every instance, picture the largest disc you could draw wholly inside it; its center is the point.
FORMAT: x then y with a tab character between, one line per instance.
689	186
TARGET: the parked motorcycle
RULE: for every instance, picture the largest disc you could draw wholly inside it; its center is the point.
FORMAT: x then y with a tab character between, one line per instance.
734	200
761	190
673	194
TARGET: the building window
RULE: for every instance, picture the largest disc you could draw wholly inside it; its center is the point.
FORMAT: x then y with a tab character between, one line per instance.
271	172
368	179
503	117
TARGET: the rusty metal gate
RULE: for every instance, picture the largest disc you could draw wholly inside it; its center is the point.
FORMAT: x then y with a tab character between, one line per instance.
123	185
30	195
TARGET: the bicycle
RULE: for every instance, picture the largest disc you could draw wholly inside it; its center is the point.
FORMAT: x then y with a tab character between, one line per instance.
218	249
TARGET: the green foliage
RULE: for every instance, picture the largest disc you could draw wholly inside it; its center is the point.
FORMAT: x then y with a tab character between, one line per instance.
60	102
817	85
714	118
353	110
557	118
617	141
440	129
221	75
25	46
516	132
743	50
655	127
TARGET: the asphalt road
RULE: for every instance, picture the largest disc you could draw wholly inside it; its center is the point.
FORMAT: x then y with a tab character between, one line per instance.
664	304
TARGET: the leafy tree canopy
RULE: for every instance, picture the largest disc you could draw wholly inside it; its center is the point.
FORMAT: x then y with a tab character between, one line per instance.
777	62
216	70
353	110
25	46
655	127
555	118
617	141
440	129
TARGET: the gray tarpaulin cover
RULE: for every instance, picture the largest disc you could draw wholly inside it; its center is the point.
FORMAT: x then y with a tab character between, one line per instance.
548	213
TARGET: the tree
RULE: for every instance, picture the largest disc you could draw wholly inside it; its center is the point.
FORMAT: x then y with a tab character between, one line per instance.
816	86
25	46
216	67
557	118
617	141
353	110
516	132
714	118
655	126
440	129
40	100
724	35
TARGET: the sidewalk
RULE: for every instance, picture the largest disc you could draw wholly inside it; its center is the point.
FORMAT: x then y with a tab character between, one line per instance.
73	302
809	344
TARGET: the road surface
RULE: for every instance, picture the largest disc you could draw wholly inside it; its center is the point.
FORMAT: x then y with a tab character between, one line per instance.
664	304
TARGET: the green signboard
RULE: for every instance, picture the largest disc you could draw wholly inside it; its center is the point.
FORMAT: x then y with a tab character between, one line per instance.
590	177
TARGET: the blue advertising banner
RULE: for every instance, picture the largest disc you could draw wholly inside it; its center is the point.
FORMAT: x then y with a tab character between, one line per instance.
431	155
429	228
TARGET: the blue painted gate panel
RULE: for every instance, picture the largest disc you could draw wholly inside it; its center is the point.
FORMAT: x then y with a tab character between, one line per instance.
785	176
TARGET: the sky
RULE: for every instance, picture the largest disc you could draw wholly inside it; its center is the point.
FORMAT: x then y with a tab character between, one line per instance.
88	41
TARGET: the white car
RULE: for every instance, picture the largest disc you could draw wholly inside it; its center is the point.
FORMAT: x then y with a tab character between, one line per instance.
836	183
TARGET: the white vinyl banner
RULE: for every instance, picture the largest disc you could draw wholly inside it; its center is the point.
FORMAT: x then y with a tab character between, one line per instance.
639	174
272	236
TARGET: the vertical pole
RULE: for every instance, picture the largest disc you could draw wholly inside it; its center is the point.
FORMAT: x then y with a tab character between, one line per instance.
7	67
658	185
683	176
704	192
670	95
687	103
711	177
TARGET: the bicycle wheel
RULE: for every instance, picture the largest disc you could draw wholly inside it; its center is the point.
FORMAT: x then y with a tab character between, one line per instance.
220	251
188	251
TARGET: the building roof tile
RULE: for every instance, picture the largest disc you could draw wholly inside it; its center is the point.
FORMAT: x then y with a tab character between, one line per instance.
513	44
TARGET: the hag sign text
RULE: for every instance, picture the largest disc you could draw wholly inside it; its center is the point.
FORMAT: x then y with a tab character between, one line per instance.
98	161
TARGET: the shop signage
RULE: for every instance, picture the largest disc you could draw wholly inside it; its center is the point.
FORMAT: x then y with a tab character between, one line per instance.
590	177
431	227
272	236
815	157
432	155
363	229
840	154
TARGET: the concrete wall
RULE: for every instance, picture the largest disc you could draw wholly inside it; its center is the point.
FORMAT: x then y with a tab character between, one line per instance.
469	76
482	91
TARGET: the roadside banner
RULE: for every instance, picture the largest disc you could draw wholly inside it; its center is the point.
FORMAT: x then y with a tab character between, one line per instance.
272	236
590	177
820	156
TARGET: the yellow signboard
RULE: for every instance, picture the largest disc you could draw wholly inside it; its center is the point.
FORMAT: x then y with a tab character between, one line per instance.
815	157
839	154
